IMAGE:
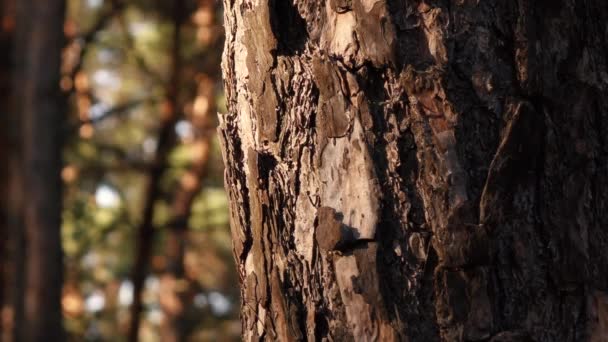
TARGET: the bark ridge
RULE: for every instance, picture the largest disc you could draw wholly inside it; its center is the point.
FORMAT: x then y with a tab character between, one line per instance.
418	170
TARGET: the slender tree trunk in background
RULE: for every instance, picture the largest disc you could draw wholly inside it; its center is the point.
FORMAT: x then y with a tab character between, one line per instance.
166	141
419	170
176	289
41	106
11	225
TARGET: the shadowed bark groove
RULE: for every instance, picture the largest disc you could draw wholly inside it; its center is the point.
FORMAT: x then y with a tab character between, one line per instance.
418	170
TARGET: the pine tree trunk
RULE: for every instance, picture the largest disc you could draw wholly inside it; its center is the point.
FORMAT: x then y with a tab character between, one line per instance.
7	156
418	170
39	43
153	191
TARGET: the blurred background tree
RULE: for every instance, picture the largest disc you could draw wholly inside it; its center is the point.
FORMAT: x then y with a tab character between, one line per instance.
147	249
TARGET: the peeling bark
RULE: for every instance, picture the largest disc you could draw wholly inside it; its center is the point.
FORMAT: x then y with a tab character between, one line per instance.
418	170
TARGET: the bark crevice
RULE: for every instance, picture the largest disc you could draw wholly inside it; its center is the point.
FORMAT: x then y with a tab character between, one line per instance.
426	170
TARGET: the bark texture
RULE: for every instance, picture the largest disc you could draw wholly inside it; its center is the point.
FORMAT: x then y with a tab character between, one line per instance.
39	42
418	170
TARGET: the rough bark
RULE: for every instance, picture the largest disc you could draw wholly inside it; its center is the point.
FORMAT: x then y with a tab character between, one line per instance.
39	42
418	170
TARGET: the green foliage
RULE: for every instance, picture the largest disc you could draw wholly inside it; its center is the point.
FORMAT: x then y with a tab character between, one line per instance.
210	209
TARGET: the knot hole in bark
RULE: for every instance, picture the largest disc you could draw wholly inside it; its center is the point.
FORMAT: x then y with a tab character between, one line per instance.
266	163
288	26
341	6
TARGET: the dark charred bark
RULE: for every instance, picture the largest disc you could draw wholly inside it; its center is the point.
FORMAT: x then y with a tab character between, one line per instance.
40	105
418	170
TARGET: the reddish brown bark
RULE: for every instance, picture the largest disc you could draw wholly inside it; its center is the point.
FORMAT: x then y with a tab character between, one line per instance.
7	156
40	106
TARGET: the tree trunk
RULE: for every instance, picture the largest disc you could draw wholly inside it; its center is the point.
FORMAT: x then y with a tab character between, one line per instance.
177	290
7	157
166	142
41	106
418	170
